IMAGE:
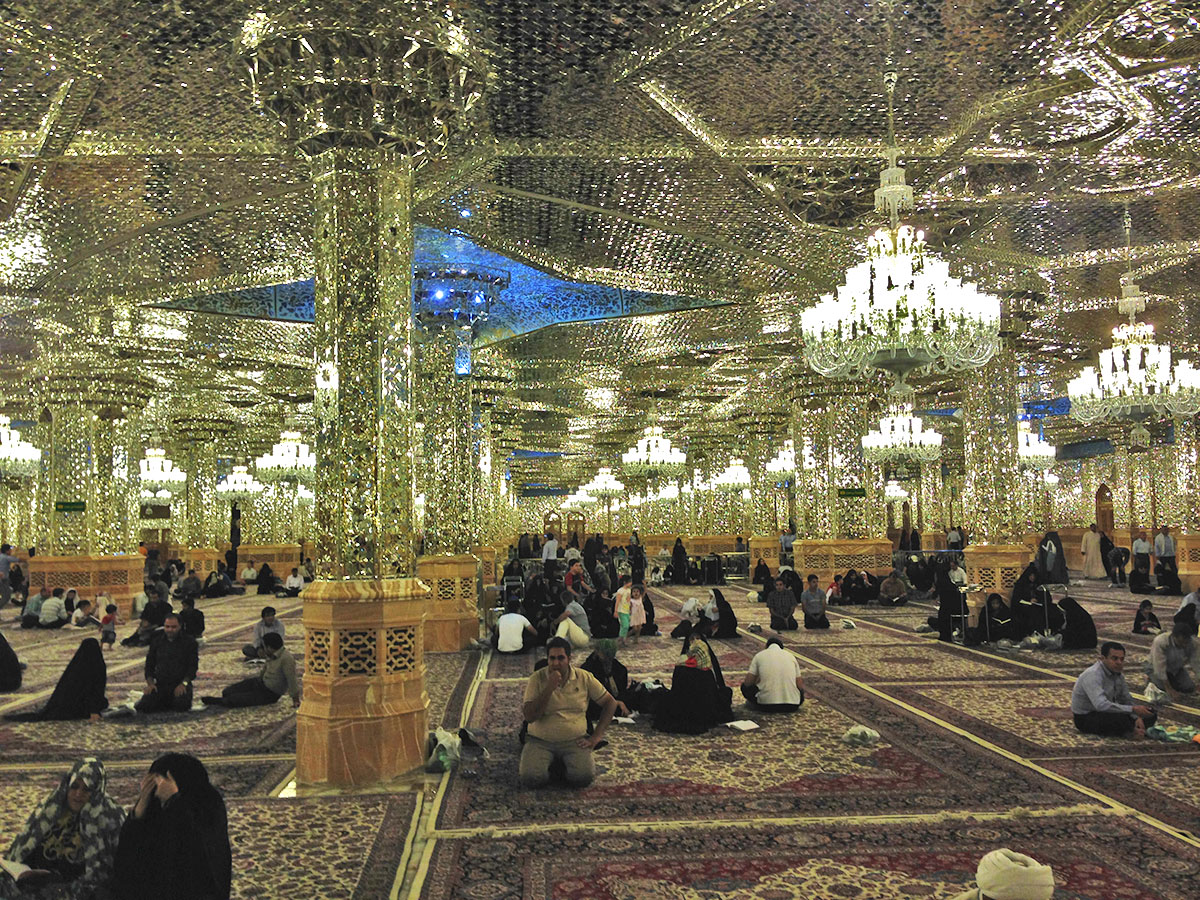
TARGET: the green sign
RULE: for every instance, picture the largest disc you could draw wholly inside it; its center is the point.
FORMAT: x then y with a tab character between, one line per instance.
852	492
70	506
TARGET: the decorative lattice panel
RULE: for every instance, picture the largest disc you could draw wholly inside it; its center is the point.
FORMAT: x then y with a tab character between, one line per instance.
1193	554
770	553
444	590
401	645
1008	578
68	579
316	652
857	561
358	653
114	576
489	569
987	577
817	562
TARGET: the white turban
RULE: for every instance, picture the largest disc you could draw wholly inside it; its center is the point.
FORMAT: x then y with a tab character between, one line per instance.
1005	875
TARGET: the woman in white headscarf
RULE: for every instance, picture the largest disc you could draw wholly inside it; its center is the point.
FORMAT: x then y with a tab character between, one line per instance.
70	839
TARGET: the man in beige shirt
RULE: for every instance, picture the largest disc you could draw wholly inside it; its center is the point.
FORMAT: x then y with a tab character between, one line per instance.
555	708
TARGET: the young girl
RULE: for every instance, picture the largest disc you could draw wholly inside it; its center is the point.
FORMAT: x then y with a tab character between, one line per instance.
637	613
108	624
623	607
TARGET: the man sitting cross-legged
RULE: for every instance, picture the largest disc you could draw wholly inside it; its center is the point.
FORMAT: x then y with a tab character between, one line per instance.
555	707
1101	702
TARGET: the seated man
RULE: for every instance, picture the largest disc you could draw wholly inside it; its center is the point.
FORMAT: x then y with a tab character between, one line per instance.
249	573
812	603
293	584
191	586
893	591
555	708
266	624
191	619
277	678
782	603
33	609
573	624
171	665
54	612
1171	653
514	632
774	682
1101	702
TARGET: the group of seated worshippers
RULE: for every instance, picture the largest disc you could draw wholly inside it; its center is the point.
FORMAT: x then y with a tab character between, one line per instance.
1168	578
79	843
716	610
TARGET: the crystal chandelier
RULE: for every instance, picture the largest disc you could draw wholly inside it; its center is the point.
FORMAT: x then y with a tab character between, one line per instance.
605	485
579	499
290	460
901	437
900	309
238	485
158	473
735	477
305	497
784	462
893	490
1135	379
1033	451
18	457
653	457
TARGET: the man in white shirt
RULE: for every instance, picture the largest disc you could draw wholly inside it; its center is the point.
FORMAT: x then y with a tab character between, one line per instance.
549	557
1171	654
774	682
514	633
54	611
1142	549
293	584
250	573
1164	550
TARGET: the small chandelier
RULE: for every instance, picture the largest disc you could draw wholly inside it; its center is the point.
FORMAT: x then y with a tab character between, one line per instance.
901	437
900	309
290	460
304	497
18	457
605	485
735	477
784	462
893	490
579	499
1135	379
653	457
158	473
238	485
1033	451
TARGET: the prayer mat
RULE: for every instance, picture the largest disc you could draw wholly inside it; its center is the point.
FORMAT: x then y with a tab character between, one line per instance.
1168	788
1093	858
448	678
793	764
204	733
1029	719
916	662
331	848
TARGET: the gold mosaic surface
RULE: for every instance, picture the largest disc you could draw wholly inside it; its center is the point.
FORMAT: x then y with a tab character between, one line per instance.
723	150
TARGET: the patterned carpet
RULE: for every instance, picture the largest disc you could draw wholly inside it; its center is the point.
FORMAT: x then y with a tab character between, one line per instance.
1093	857
977	750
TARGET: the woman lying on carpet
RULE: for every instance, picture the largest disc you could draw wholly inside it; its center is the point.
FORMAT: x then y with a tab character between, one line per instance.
79	693
175	843
698	699
68	843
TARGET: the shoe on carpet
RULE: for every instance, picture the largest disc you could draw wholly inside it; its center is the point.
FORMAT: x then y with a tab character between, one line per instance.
213	701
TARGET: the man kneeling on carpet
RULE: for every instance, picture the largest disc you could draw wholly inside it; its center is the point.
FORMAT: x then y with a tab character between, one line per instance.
1005	875
171	665
1101	702
555	708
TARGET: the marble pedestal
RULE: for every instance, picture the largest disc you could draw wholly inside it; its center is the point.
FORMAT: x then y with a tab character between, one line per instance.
767	549
452	614
362	719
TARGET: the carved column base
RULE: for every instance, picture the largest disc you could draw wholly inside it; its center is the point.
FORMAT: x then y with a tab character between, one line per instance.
121	577
362	719
1187	558
452	616
835	557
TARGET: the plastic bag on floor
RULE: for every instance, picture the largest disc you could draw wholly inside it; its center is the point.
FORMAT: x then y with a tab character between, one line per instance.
1156	696
860	736
848	624
443	750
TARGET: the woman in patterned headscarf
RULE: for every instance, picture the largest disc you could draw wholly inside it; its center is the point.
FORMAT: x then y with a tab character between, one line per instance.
72	835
